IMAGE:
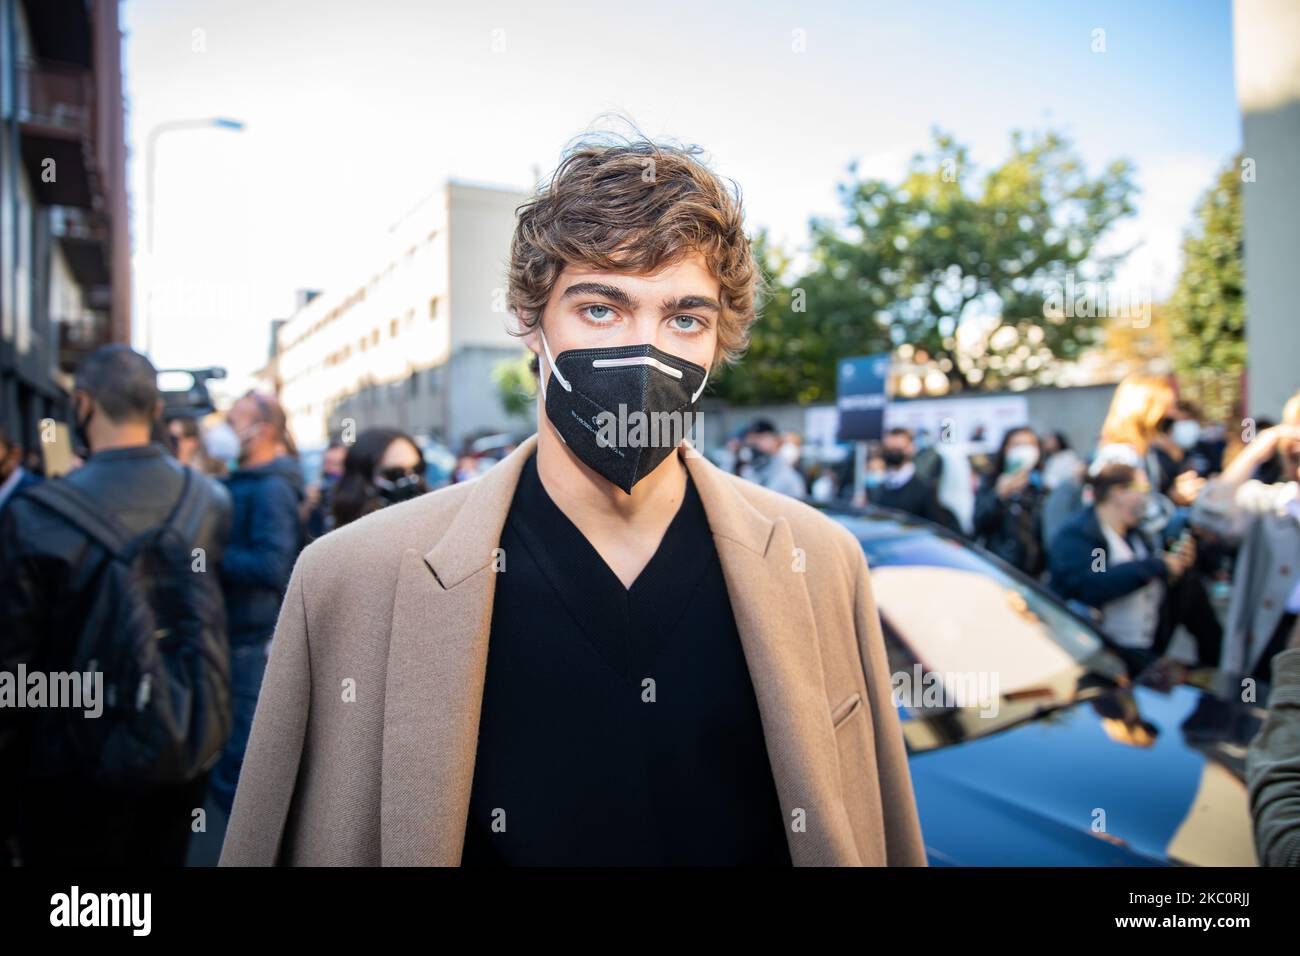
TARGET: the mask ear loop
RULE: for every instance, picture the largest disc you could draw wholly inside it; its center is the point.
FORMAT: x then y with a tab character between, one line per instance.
700	390
541	380
564	383
694	398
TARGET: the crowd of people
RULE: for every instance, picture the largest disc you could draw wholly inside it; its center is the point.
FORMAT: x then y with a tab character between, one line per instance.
84	566
1172	525
1164	527
1169	524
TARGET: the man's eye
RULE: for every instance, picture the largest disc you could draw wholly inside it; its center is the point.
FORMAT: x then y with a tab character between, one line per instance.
598	313
686	323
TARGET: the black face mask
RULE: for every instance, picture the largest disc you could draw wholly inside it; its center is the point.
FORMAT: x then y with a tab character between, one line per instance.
398	484
893	457
621	410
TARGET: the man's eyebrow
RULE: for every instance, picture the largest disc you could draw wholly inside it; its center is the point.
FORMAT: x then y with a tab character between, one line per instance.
611	292
691	302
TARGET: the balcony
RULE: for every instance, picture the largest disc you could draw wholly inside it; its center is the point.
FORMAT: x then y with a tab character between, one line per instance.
56	123
85	242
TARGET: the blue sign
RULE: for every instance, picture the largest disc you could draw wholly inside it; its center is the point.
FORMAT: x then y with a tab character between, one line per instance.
860	397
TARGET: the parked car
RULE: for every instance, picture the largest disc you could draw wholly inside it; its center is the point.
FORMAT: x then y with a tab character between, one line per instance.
1074	761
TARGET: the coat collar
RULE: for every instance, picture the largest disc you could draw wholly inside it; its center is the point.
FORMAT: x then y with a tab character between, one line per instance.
436	672
468	544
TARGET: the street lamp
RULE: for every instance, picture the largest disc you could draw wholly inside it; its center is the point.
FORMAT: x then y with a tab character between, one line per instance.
151	142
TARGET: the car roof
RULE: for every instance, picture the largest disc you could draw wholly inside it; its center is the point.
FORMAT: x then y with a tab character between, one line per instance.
872	522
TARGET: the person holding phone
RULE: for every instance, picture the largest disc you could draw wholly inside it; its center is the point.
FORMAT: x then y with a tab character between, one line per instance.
1104	559
1009	504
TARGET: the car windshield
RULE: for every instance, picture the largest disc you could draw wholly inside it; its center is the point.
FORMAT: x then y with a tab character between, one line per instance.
958	618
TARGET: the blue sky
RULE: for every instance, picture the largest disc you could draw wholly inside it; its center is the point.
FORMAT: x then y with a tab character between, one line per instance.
356	110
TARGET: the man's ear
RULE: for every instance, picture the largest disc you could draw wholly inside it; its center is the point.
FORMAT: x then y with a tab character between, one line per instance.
532	341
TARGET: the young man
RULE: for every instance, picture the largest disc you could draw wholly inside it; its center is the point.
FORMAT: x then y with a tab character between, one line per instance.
605	650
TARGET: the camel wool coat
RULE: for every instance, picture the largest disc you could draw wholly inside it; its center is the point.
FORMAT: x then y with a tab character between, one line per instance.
364	739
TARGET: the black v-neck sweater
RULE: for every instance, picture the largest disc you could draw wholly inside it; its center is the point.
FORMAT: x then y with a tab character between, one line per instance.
619	726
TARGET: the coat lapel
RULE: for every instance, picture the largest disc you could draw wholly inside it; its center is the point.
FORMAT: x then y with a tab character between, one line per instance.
779	636
438	657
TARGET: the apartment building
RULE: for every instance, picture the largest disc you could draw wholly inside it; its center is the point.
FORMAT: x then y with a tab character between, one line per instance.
412	342
65	283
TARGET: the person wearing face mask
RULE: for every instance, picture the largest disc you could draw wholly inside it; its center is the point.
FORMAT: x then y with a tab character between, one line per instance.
384	467
1008	506
1185	442
265	538
902	489
1103	559
769	464
1135	433
604	650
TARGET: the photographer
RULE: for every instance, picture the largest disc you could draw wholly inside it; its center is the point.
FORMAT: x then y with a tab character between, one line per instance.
1103	558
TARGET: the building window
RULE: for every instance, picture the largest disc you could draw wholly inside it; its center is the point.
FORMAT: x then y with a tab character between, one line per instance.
392	329
433	307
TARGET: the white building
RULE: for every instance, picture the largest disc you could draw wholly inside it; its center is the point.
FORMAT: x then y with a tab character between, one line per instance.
413	342
1267	42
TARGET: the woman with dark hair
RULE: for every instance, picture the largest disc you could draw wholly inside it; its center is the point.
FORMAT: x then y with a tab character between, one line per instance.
1102	558
1008	506
383	467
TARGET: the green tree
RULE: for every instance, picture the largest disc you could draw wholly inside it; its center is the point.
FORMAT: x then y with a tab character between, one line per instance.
913	260
1207	309
516	384
789	350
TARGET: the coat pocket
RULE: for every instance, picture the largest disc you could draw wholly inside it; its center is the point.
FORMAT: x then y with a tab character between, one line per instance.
845	710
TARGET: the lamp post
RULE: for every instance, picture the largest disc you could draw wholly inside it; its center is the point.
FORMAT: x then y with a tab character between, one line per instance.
151	143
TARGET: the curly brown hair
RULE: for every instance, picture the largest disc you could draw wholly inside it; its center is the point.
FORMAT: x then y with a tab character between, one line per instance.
634	206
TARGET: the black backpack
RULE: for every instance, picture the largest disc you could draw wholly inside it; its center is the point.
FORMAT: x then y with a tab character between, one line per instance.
155	629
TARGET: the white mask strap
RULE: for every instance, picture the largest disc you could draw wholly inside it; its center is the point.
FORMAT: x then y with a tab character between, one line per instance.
551	362
701	388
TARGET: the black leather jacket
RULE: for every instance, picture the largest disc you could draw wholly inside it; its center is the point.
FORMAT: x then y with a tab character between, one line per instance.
46	563
1012	527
